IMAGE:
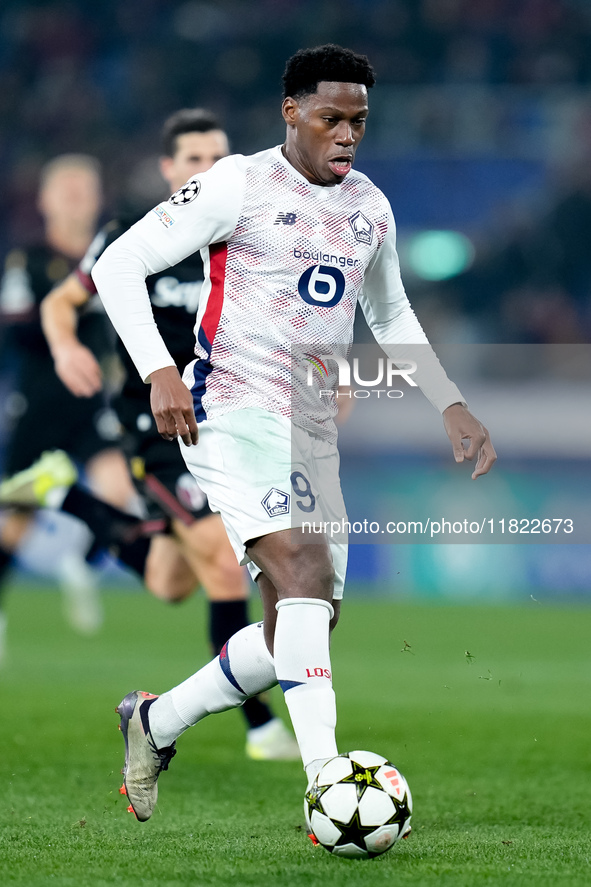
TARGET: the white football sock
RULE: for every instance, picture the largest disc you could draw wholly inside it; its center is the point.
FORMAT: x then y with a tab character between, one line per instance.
165	723
244	668
302	664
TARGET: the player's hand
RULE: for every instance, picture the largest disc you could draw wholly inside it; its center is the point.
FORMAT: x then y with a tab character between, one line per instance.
78	369
460	426
172	406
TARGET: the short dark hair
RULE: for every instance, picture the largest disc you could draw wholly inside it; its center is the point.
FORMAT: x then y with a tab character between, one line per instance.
308	67
183	121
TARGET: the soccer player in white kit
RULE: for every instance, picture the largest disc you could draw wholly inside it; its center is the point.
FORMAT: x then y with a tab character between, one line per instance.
291	239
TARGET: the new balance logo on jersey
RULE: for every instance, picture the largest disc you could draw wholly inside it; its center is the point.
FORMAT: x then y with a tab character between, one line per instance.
285	219
276	502
362	227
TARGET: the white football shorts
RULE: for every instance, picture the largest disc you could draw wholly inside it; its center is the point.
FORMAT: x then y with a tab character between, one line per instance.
264	475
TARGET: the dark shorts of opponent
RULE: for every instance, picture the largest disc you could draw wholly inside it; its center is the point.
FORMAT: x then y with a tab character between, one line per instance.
157	467
45	416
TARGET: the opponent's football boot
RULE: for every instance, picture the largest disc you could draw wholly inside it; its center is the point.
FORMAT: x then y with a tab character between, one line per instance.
272	742
54	469
143	761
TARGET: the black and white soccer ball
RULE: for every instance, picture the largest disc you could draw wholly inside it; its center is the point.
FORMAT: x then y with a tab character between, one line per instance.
359	805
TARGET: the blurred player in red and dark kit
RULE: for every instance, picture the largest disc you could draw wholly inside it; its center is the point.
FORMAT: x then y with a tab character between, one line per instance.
45	415
195	549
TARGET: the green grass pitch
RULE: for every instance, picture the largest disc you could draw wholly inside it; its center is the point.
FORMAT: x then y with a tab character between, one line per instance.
485	710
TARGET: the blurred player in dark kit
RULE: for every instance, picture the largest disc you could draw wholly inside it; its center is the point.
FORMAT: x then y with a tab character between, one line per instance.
45	414
196	550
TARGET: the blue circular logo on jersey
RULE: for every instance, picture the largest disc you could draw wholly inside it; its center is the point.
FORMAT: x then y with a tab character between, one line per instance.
322	285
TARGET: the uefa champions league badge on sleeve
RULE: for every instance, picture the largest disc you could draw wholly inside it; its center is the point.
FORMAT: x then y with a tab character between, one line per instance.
276	502
186	194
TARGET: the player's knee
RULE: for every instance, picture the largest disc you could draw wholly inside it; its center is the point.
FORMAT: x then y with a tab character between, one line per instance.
172	594
169	588
233	582
224	579
315	572
326	579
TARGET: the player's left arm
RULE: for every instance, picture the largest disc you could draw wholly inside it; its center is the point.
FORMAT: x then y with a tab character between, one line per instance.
397	329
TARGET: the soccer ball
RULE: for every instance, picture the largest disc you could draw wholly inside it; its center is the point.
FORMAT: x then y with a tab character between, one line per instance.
358	806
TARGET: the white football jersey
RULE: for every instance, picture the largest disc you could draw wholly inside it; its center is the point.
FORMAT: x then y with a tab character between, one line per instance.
285	263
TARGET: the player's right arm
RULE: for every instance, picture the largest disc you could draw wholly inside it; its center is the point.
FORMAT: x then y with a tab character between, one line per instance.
396	328
75	364
165	236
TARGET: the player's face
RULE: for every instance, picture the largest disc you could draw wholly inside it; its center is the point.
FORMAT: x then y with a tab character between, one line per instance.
71	195
324	130
195	152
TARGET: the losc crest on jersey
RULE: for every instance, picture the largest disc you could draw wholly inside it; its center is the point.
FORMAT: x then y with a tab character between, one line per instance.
186	194
362	227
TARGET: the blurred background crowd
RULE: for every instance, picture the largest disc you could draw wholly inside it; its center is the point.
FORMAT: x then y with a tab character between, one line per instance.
480	129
